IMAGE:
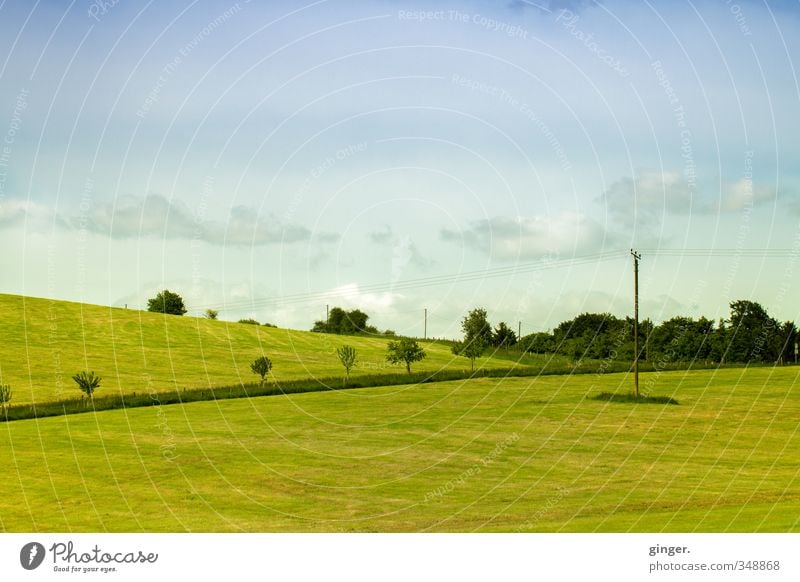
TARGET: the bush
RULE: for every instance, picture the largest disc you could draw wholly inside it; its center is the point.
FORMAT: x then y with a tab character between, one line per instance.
269	325
211	314
87	382
249	321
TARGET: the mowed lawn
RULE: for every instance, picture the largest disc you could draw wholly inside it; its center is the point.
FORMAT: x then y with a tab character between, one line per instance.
520	454
46	342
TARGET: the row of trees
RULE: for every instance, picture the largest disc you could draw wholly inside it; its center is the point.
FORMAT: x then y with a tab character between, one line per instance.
748	335
402	351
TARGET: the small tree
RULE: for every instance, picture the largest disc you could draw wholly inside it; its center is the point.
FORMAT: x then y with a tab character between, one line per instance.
167	302
477	335
5	395
471	349
347	356
405	350
211	314
261	366
87	382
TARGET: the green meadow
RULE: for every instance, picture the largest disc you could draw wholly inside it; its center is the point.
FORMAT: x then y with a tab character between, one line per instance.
45	342
515	454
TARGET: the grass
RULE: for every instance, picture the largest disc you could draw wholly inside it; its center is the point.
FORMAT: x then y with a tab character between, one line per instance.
45	342
489	454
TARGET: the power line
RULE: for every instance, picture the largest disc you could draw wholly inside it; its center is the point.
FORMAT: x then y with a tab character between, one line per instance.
724	252
467	276
496	272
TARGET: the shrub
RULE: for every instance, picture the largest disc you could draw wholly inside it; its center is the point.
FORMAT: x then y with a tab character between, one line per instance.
211	314
249	321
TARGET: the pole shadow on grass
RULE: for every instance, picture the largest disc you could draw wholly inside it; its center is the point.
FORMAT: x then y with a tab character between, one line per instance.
628	397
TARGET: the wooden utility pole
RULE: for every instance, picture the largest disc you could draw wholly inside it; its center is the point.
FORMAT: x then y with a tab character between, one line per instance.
519	330
425	327
327	315
636	257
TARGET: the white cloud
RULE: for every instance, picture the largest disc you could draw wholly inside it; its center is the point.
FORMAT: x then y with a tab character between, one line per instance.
156	217
652	195
31	215
566	233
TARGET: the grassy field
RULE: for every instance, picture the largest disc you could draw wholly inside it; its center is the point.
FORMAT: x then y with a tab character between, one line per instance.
46	342
519	454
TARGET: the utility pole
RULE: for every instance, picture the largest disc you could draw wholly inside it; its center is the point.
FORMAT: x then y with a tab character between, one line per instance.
327	316
636	257
425	328
519	330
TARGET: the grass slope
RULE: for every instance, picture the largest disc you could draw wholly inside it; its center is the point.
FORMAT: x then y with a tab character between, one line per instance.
45	342
519	454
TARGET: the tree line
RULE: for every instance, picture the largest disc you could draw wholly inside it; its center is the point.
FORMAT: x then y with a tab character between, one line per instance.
750	334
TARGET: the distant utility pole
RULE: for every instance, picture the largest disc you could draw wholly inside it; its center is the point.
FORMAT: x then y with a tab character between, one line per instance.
519	329
636	258
425	325
327	314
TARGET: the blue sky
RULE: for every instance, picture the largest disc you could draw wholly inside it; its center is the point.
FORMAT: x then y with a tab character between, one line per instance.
267	158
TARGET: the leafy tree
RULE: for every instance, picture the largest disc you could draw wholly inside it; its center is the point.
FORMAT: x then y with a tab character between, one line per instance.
347	356
5	395
503	336
469	349
87	382
788	337
211	314
166	302
344	322
405	350
477	335
261	366
753	333
538	343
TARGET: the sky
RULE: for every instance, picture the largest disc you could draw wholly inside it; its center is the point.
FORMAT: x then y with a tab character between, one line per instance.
266	159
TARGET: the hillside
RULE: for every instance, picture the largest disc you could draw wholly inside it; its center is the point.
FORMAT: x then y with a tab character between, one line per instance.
45	342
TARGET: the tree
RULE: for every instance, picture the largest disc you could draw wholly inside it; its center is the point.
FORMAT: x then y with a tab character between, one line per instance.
249	321
211	314
477	335
503	336
405	350
261	366
347	356
166	302
344	322
538	343
87	382
5	395
753	333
